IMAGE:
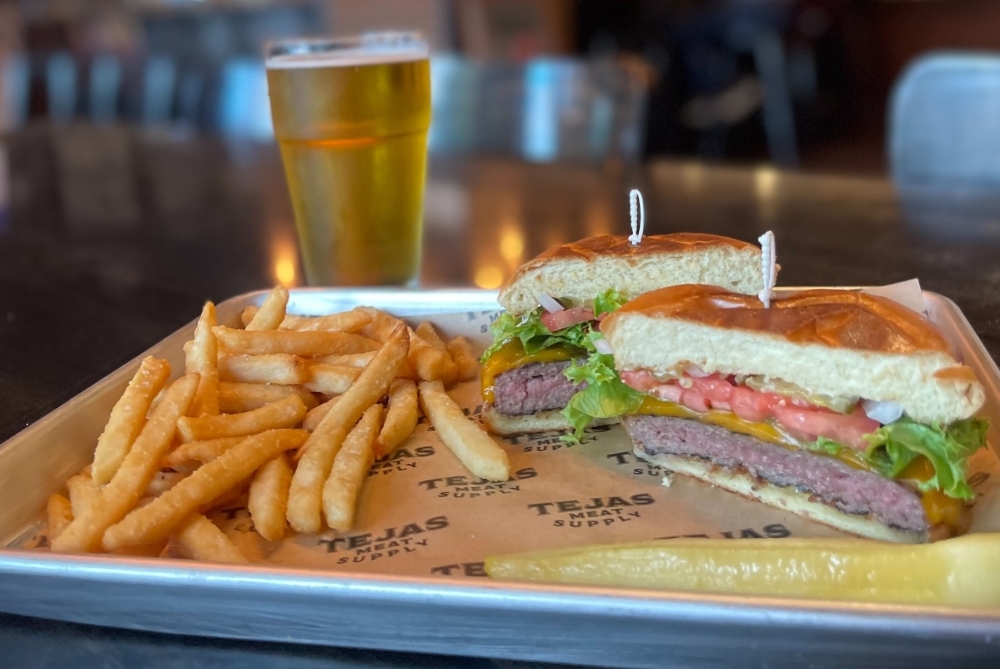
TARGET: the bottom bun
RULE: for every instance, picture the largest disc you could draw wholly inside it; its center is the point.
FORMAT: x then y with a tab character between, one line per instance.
540	421
790	499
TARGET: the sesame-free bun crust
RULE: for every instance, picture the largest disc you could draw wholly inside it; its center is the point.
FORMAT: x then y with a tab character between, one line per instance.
540	421
836	342
581	270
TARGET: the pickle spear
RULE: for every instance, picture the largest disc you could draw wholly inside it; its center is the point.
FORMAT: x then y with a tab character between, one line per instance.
955	572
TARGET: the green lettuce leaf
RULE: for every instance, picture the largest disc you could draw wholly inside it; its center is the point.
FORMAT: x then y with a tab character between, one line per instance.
895	446
607	302
533	334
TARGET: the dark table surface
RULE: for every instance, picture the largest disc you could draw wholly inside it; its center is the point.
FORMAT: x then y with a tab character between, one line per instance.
112	238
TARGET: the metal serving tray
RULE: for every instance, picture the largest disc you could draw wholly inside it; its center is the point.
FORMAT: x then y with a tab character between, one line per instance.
572	624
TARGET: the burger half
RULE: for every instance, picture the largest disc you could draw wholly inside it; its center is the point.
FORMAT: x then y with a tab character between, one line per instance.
548	367
839	406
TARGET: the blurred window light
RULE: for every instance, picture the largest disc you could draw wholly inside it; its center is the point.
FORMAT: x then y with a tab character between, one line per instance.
244	110
489	277
540	138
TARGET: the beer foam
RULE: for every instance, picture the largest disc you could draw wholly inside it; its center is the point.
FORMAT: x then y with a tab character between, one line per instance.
351	57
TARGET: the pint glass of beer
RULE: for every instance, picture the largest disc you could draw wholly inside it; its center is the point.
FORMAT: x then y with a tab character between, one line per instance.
351	118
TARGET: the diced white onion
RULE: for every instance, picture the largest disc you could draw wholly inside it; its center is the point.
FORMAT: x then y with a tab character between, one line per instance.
548	303
695	372
603	346
883	412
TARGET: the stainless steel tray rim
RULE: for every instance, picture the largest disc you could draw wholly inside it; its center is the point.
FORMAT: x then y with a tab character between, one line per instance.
535	597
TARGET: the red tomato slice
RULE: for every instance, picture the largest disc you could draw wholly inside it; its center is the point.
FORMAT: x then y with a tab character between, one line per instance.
642	381
750	405
714	387
558	320
668	392
847	429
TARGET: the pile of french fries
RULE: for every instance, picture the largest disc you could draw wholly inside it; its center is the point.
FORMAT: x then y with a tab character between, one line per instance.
286	414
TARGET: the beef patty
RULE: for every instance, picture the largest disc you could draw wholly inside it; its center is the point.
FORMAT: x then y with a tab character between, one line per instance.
827	479
534	387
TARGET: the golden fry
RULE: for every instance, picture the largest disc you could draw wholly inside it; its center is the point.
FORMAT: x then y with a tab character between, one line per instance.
286	412
359	360
164	481
330	379
348	321
427	332
306	489
83	490
470	444
305	344
134	475
201	359
371	386
60	515
242	397
465	360
401	418
128	417
268	501
382	324
350	468
272	312
157	519
199	451
200	539
429	362
315	416
276	368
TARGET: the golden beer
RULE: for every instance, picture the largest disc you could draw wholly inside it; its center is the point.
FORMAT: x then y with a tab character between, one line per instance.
351	119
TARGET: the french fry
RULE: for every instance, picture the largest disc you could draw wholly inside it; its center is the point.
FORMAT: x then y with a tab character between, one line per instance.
470	444
316	415
201	359
268	501
241	397
164	481
83	490
305	344
465	360
122	493
371	386
128	417
400	420
331	379
430	335
276	368
305	492
359	360
350	468
272	312
60	514
199	451
429	362
157	520
348	321
382	324
199	538
286	412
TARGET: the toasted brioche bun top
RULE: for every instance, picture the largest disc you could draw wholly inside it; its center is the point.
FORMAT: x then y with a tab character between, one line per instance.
581	270
835	318
828	342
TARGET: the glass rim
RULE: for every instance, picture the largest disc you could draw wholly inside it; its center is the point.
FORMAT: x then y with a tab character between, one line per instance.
369	45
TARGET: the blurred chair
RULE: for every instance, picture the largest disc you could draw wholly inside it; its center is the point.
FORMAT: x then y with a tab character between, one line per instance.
944	145
105	88
944	123
61	86
14	87
159	81
546	110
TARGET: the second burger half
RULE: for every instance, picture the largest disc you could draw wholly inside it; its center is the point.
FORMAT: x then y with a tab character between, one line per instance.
839	406
546	369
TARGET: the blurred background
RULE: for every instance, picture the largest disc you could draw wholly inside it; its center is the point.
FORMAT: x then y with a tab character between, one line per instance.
800	83
126	118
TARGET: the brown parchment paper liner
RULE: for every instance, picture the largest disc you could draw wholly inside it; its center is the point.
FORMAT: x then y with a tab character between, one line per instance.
422	513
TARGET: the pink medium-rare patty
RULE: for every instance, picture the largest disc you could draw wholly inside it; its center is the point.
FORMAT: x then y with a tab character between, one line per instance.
533	387
827	479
